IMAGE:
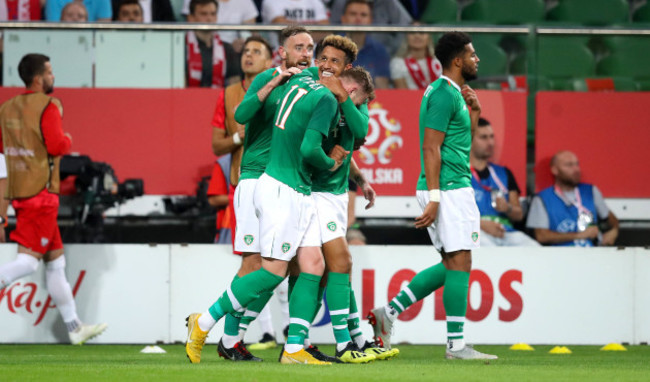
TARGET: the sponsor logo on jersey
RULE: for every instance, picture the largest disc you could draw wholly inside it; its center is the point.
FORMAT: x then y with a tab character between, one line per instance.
249	239
331	226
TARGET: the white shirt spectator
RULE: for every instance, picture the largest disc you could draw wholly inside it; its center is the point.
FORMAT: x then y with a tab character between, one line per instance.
146	10
299	11
231	12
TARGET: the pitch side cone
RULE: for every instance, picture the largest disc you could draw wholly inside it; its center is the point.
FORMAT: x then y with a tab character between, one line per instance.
521	346
613	347
560	350
153	349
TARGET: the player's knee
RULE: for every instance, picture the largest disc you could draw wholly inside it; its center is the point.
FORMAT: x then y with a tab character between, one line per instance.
342	264
313	264
58	263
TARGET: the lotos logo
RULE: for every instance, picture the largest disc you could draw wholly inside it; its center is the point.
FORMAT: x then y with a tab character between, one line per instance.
486	288
23	295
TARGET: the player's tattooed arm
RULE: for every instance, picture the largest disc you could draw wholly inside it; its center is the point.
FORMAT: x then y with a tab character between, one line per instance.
357	176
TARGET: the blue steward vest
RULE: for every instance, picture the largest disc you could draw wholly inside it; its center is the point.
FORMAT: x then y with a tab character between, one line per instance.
563	218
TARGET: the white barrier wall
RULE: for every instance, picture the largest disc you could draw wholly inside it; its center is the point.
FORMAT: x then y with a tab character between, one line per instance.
540	296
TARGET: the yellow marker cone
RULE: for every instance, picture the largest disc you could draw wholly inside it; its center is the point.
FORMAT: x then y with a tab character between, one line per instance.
560	350
613	347
521	346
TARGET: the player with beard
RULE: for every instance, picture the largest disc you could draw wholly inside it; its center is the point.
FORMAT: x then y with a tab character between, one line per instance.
256	112
33	141
449	111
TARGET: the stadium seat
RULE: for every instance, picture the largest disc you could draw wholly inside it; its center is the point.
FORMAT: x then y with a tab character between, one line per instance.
440	11
504	11
627	58
565	57
591	12
642	15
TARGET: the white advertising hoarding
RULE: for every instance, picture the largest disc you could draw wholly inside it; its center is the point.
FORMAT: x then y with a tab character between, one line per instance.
533	295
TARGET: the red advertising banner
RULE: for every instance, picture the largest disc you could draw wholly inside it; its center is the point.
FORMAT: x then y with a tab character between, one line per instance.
390	159
607	131
164	136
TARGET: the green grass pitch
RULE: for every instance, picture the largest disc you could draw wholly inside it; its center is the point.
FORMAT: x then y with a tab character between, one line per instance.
121	363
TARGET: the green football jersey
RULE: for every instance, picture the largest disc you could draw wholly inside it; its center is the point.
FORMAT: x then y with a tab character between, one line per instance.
259	122
336	182
444	109
304	105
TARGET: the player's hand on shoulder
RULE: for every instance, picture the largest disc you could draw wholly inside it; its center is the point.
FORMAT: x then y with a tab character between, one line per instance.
470	97
428	216
335	86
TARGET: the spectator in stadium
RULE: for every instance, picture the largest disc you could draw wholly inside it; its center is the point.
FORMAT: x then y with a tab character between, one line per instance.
210	62
372	54
98	10
384	12
303	12
151	10
568	213
496	193
129	11
236	12
33	140
415	65
74	12
20	10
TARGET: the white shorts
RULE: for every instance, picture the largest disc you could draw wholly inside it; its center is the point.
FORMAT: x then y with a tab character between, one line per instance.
247	231
332	211
458	224
287	219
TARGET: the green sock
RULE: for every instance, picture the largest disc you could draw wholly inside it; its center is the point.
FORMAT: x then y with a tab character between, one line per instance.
422	285
354	325
292	283
338	302
242	292
253	310
231	325
301	307
454	299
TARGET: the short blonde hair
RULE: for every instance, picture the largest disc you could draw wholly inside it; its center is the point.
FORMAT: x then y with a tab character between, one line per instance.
341	43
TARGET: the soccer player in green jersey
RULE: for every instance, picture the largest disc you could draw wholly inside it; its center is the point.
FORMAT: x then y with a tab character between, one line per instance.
448	113
306	112
352	89
256	111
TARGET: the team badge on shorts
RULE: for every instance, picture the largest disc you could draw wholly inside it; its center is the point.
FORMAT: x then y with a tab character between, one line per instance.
331	226
286	247
475	236
249	239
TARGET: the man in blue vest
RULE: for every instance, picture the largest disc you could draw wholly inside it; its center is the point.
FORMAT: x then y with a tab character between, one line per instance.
567	213
496	193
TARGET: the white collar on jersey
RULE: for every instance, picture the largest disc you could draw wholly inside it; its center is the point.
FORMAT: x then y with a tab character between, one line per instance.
279	69
451	81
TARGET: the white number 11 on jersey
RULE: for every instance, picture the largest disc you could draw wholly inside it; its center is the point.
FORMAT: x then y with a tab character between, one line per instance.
283	114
